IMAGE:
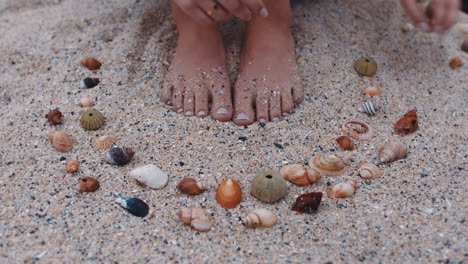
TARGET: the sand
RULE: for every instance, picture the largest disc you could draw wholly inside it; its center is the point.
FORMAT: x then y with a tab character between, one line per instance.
414	213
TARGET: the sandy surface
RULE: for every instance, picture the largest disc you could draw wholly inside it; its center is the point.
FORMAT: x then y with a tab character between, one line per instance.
415	213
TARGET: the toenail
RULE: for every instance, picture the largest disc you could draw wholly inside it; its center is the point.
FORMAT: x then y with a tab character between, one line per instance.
262	120
180	110
285	114
275	119
201	113
222	111
188	113
169	102
242	116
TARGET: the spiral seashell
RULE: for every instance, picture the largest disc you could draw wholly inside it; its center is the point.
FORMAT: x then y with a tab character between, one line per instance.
88	184
455	63
358	130
260	217
104	142
344	189
366	66
299	175
190	186
330	164
372	90
91	63
54	117
368	108
85	102
72	166
407	124
92	119
119	156
307	203
345	143
195	217
229	194
88	83
134	206
150	175
407	27
60	140
391	151
369	171
464	46
268	186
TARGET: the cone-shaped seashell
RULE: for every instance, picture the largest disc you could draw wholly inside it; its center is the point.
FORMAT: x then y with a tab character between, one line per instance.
408	27
343	189
407	124
308	202
85	102
88	184
372	90
229	194
391	151
464	45
260	217
88	83
54	117
134	206
358	130
60	140
92	119
151	176
268	186
345	143
368	108
104	142
369	171
119	156
330	164
190	186
366	66
299	175
91	63
72	166
455	63
195	217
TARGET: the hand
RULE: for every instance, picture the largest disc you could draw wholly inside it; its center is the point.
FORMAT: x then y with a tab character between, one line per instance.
445	14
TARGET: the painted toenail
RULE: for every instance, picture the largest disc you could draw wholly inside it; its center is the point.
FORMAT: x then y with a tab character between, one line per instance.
222	111
180	110
275	119
285	114
262	120
263	12
242	116
201	113
188	113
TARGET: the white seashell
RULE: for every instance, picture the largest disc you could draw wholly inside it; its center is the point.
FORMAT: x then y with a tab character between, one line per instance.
343	189
369	171
150	175
462	28
195	217
391	151
368	108
408	27
85	102
260	217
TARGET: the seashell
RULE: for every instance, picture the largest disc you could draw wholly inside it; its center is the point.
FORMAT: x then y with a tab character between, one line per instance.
369	171
368	108
358	130
104	142
72	166
366	66
54	117
462	28
151	176
455	63
88	83
229	194
85	102
407	124
308	202
190	186
372	90
60	140
464	45
345	143
268	186
134	206
119	156
260	217
299	175
195	217
88	184
408	27
328	164
343	189
92	119
91	63
391	151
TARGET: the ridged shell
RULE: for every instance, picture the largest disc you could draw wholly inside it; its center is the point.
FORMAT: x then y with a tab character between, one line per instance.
391	151
92	119
345	143
308	202
299	175
54	117
407	124
372	90
368	108
195	217
190	186
455	63
369	171
134	206
72	166
464	46
91	63
330	164
104	142
60	140
260	217
366	66
88	83
119	156
358	130
229	194
344	189
88	184
85	102
268	186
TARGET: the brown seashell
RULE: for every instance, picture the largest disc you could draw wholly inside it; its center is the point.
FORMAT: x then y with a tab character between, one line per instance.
88	184
345	143
72	166
358	130
91	63
329	164
308	202
260	217
195	217
455	63
229	194
372	90
60	140
299	175
391	151
369	171
190	186
344	189
407	124
85	102
104	142
54	117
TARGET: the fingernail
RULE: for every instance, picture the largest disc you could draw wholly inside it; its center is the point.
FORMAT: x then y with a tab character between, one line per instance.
275	119
222	111
188	113
262	120
424	27
263	12
439	29
242	116
180	110
201	113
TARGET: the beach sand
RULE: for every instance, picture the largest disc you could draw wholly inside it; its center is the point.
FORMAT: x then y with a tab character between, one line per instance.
414	213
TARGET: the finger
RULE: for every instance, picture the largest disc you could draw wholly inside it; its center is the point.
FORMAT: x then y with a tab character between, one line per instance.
452	14
236	8
213	10
256	7
440	11
201	17
416	14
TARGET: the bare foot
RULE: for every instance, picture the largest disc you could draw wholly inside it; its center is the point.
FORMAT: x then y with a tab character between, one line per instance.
197	77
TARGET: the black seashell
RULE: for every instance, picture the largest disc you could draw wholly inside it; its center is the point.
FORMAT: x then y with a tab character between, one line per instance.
119	156
89	83
134	206
308	202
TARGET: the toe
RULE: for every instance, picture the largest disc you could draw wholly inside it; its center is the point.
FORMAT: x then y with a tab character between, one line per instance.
166	95
275	106
244	114
262	109
287	104
201	102
178	96
189	103
221	107
298	90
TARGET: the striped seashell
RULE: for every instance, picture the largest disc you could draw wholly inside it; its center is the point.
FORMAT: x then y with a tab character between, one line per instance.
368	108
104	142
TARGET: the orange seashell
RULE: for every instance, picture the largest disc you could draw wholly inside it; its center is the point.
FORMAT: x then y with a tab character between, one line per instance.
88	184
104	142
358	130
60	140
72	166
196	217
190	186
407	124
54	117
91	63
299	175
371	90
229	194
345	143
455	63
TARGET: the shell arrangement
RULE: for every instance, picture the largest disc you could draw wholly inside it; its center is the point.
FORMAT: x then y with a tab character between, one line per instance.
119	156
344	189
54	117
372	90
134	206
308	202
368	108
150	175
268	186
407	124
229	194
366	66
190	186
329	165
91	63
196	218
72	166
391	151
88	184
88	83
92	119
369	171
260	217
104	142
60	141
299	175
358	130
345	143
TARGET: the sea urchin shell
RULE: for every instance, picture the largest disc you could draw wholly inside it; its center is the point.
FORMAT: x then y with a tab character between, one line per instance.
268	186
92	119
366	66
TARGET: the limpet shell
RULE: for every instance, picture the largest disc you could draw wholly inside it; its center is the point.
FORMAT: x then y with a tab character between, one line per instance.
366	66
329	164
54	117
308	202
195	217
343	189
268	186
92	119
91	63
150	175
368	108
104	142
358	130
229	194
372	90
88	184
85	102
72	166
134	206
391	151
88	83
60	140
299	175
369	171
260	217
